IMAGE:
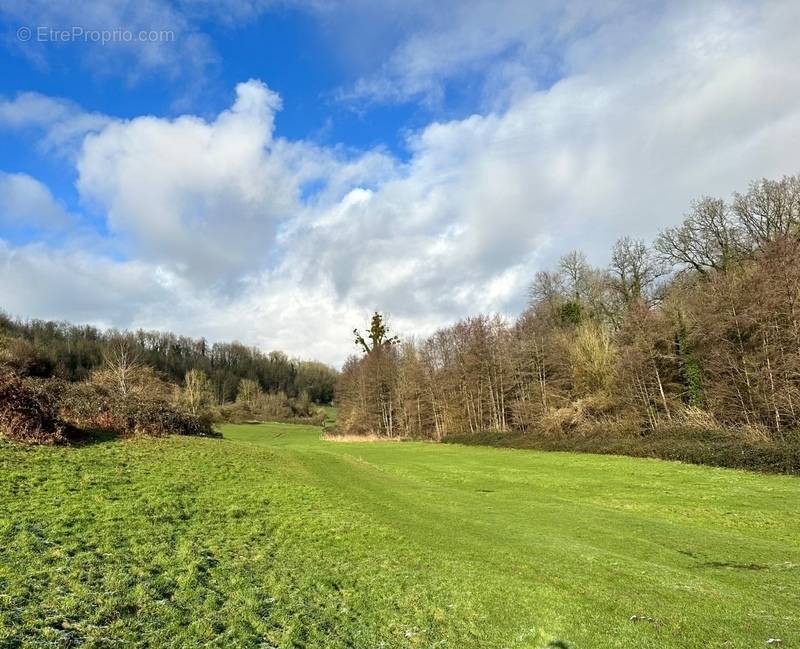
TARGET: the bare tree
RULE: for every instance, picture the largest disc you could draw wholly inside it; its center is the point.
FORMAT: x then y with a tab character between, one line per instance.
769	210
634	270
198	392
619	345
122	362
708	238
248	393
547	289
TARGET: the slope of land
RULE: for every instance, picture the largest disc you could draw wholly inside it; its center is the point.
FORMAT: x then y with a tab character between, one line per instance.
271	537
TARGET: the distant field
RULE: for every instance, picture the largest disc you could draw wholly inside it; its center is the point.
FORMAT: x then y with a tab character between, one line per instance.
274	538
330	415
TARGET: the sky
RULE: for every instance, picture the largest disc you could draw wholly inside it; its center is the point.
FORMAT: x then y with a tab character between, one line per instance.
273	171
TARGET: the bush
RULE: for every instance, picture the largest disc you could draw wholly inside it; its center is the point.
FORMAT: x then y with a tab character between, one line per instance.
726	448
577	417
86	405
141	381
92	406
23	358
239	413
28	415
270	406
592	356
157	418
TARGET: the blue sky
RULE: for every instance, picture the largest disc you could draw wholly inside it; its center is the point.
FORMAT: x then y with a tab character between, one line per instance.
287	47
305	162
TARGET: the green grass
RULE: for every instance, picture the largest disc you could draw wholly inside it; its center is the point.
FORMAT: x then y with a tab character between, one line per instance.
331	414
271	537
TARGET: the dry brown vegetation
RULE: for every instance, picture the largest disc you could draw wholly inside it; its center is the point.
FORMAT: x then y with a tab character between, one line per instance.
343	437
27	415
694	340
126	383
126	398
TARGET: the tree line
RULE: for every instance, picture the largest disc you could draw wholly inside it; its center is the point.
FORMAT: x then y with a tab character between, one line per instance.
46	348
62	383
697	331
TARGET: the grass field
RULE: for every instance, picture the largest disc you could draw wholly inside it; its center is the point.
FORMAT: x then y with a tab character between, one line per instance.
330	415
271	537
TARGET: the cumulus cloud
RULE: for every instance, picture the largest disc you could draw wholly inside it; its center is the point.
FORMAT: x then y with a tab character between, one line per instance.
646	115
26	203
621	145
39	281
201	197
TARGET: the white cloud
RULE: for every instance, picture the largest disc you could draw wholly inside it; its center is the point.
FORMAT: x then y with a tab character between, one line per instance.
520	44
41	282
201	197
650	113
63	122
38	281
27	203
638	128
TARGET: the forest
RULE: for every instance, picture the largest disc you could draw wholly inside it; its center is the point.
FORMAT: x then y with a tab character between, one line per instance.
43	348
686	348
60	381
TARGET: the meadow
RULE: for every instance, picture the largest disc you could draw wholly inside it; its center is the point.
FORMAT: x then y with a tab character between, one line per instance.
272	537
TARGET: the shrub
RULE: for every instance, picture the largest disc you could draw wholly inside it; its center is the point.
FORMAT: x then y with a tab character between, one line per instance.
577	417
256	405
695	418
198	392
22	357
239	413
28	415
86	405
89	405
273	405
592	357
158	418
725	447
248	393
139	381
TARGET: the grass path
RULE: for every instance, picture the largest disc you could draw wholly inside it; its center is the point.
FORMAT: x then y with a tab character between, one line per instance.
274	538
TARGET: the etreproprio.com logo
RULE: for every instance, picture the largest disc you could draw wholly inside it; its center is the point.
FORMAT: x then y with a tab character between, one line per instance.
77	34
